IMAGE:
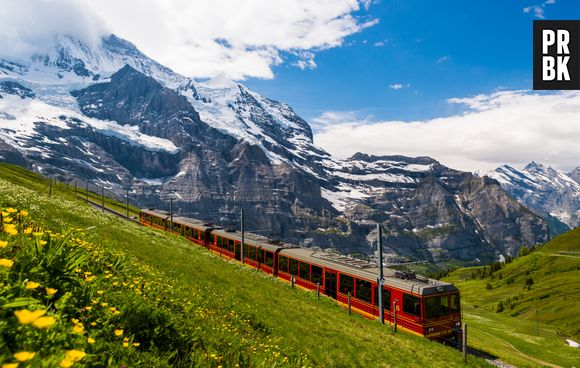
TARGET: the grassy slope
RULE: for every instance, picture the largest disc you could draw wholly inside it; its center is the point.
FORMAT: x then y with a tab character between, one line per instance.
513	334
307	330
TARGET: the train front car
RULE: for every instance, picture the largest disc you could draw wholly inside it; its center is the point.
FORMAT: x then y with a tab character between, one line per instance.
441	310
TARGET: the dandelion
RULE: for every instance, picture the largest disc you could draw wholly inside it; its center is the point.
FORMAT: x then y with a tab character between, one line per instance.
100	292
42	243
23	356
88	307
44	322
93	324
10	365
126	344
90	278
104	305
118	332
6	262
23	213
11	210
90	340
136	344
10	229
50	291
28	230
75	355
7	220
3	244
32	285
26	316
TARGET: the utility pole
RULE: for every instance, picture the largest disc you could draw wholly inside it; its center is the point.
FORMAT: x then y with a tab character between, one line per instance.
242	231
464	342
127	203
171	213
380	280
103	198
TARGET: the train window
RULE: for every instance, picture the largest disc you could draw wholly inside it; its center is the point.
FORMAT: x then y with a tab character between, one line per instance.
283	264
269	259
437	306
454	303
346	284
386	298
363	290
252	253
305	271
293	267
219	241
316	274
201	235
411	305
260	256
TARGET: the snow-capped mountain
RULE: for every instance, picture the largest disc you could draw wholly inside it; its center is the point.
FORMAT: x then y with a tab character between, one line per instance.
110	114
547	191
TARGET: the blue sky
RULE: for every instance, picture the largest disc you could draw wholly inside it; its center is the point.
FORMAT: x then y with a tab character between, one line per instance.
435	50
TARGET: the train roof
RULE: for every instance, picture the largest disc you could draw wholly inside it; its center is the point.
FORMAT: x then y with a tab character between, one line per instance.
198	224
154	212
252	239
363	269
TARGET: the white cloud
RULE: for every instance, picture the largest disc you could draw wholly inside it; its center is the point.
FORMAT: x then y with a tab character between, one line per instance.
381	43
513	127
199	38
443	59
397	86
538	10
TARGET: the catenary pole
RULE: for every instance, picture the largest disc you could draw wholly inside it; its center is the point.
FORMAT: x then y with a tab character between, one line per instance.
242	231
380	280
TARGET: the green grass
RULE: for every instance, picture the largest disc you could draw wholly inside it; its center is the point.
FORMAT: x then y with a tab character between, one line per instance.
534	322
197	309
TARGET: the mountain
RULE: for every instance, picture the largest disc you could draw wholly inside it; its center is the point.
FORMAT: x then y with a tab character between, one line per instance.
111	115
551	193
575	174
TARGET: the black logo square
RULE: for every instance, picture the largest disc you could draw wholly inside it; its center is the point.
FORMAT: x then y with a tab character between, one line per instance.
556	54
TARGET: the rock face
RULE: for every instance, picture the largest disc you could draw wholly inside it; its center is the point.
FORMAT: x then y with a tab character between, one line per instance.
575	174
549	192
113	116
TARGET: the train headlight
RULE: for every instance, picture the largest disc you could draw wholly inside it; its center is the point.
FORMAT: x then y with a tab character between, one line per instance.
458	324
430	329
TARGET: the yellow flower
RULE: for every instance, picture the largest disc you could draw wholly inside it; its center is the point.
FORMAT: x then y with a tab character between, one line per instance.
38	233
66	363
93	324
126	344
88	307
26	316
11	210
6	262
100	292
42	243
75	355
136	344
44	322
90	278
80	329
23	356
28	230
104	305
23	213
10	365
8	220
5	214
90	340
118	332
3	244
10	229
32	285
50	291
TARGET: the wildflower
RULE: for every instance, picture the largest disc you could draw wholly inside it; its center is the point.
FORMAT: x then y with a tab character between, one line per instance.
44	322
11	210
26	316
23	356
88	307
7	220
118	332
90	278
50	291
6	262
28	230
90	340
75	355
126	344
104	305
93	324
79	328
32	285
38	234
23	213
10	365
136	344
3	244
100	292
42	243
10	229
66	363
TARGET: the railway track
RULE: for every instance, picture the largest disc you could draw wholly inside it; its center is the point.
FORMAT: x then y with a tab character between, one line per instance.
109	210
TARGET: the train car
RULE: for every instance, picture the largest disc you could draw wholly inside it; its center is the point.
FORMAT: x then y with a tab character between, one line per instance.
196	231
154	218
423	306
259	252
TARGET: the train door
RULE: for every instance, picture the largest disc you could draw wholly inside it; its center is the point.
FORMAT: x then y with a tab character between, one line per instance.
238	251
330	284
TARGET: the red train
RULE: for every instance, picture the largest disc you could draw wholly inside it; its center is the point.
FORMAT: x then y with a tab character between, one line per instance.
422	306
